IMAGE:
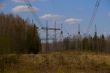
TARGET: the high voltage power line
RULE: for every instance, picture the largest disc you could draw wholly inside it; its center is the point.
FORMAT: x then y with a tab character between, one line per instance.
55	29
28	3
93	15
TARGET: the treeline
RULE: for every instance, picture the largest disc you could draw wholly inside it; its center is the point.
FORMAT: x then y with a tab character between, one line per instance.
87	43
18	35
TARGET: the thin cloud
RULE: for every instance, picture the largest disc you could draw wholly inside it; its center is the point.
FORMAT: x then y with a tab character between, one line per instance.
51	17
42	0
108	13
72	21
24	9
2	5
20	1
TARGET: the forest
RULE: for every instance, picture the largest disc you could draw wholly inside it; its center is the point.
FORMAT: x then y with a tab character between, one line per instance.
88	43
18	35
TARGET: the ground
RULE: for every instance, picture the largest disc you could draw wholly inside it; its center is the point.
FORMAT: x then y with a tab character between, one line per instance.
58	62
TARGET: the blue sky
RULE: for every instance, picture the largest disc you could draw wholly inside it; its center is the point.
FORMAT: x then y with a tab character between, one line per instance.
70	13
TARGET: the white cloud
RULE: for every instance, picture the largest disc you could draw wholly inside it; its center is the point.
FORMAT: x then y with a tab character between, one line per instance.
24	9
72	21
51	17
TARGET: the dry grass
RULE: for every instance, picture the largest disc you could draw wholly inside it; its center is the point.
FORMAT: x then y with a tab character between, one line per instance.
60	62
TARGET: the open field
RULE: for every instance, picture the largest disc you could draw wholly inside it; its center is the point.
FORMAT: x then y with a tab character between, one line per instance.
57	62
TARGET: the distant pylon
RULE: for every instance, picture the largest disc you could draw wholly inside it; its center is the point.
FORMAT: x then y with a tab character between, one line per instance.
79	46
55	36
61	37
47	38
79	29
46	29
95	29
61	34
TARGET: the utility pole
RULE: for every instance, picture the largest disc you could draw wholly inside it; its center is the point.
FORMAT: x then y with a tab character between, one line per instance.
46	29
47	45
55	39
95	29
79	29
55	36
47	34
79	38
61	37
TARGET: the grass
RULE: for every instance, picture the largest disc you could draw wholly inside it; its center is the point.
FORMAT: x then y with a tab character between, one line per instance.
57	62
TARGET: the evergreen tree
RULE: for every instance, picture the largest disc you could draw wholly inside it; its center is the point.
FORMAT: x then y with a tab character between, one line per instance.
18	35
